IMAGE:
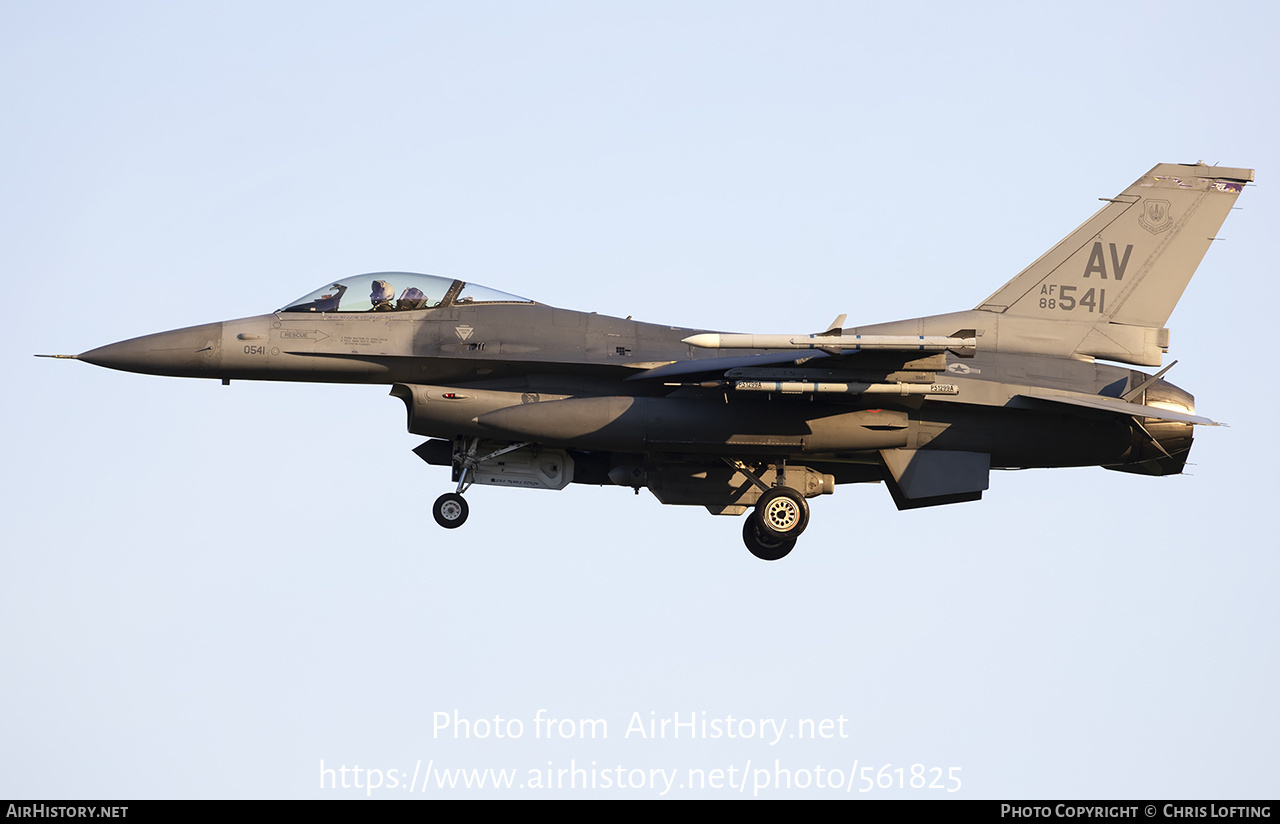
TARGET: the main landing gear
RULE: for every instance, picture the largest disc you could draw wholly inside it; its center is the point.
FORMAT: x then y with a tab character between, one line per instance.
766	549
780	515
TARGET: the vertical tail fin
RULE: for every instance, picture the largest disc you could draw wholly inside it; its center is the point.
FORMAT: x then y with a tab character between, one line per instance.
1123	271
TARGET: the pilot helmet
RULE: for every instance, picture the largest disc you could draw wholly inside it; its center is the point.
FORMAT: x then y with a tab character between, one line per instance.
382	292
411	298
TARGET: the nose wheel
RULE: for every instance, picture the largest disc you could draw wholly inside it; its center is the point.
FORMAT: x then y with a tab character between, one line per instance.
450	510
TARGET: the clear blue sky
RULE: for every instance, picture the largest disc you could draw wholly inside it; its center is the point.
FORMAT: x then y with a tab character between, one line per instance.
201	602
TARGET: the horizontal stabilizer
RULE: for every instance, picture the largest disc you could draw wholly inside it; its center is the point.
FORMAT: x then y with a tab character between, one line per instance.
1106	404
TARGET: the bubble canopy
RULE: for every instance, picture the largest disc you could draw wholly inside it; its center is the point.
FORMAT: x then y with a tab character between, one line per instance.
397	292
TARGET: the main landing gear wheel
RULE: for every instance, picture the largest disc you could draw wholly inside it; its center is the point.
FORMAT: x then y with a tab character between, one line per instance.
781	514
450	510
766	549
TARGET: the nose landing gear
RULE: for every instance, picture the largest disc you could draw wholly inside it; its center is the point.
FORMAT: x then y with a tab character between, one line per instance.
450	509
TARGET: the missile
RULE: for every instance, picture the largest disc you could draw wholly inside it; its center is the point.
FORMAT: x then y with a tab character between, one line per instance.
827	342
815	387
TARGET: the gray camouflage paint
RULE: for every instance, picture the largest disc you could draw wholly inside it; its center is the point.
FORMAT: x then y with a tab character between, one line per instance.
623	402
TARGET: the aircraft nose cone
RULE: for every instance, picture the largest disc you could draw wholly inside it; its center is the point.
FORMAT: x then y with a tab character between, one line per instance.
194	352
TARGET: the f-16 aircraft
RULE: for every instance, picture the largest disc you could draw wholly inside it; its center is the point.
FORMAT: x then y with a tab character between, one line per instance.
512	392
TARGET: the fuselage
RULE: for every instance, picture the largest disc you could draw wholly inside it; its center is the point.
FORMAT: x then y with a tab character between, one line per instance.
609	384
516	393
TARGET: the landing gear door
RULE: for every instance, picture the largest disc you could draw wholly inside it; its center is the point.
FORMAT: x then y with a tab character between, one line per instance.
528	467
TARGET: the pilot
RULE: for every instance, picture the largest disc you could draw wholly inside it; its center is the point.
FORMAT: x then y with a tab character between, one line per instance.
412	298
381	296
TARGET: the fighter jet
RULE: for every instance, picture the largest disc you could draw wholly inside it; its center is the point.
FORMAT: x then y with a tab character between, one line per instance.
511	392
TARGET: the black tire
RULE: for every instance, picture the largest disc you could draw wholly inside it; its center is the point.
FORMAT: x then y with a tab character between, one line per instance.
781	514
450	510
766	549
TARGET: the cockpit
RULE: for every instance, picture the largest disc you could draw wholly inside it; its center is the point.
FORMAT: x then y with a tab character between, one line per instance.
397	292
